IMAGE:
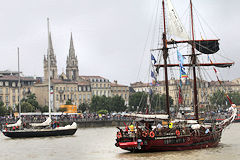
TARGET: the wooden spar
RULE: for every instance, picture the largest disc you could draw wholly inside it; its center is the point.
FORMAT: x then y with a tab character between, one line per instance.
165	56
200	64
189	41
194	69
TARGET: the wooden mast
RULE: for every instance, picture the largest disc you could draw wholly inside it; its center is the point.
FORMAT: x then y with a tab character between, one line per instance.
165	55
193	59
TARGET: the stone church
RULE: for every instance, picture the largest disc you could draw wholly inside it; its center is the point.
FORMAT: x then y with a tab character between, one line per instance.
64	86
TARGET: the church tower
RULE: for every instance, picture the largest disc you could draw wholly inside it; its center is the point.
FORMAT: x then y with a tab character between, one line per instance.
53	61
72	63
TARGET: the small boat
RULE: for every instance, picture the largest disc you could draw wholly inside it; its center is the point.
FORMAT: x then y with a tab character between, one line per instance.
165	132
44	129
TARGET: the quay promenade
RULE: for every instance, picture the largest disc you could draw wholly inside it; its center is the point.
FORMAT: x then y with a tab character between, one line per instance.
82	122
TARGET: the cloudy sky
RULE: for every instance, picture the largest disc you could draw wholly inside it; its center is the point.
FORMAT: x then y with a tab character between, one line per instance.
109	35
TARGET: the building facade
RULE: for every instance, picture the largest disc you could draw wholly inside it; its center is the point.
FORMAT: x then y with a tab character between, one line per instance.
9	90
120	90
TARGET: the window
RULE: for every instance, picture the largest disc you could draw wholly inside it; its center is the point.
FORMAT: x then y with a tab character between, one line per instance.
56	88
13	99
1	83
6	98
6	90
67	88
84	88
79	88
80	97
67	97
88	88
6	83
64	97
60	88
13	90
57	97
13	84
1	91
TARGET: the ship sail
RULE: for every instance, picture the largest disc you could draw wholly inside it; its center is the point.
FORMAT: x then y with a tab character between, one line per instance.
175	26
207	46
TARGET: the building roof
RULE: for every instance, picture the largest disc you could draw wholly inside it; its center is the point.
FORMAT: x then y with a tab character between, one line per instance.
115	84
83	83
15	78
139	84
59	81
89	77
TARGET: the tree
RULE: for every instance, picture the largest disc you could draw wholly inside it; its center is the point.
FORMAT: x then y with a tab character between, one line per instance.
27	107
99	103
63	109
3	109
117	104
44	109
219	100
69	102
158	102
138	99
83	107
29	104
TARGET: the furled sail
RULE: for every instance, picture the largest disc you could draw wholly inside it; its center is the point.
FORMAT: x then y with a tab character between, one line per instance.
175	26
207	46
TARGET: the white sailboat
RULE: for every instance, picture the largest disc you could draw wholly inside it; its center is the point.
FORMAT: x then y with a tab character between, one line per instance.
43	129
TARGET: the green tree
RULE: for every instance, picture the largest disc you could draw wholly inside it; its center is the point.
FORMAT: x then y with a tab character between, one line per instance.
219	99
138	99
3	109
158	102
117	104
44	109
30	100
100	103
69	102
27	107
62	109
83	107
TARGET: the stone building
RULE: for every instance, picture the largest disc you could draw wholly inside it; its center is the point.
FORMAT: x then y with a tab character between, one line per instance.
100	86
120	90
9	88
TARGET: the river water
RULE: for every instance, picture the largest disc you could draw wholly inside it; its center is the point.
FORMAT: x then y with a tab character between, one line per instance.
98	144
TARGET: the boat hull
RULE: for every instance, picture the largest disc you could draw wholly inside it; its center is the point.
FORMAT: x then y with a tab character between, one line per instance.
173	144
39	133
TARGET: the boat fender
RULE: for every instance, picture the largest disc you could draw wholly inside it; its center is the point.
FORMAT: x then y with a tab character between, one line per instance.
170	125
188	139
152	134
177	132
144	134
119	135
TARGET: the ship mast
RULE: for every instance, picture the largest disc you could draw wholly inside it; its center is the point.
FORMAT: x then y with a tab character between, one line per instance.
165	55
193	59
49	80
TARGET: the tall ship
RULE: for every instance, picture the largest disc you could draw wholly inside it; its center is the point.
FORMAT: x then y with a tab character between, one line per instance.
153	131
45	129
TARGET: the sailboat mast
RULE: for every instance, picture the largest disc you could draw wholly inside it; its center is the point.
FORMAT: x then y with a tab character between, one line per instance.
165	55
194	68
19	85
49	83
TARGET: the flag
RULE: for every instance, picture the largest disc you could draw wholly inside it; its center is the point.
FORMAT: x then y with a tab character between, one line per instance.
183	73
153	75
180	57
153	59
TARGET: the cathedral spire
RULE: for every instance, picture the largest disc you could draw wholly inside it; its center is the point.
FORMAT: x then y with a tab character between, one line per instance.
71	42
50	46
71	49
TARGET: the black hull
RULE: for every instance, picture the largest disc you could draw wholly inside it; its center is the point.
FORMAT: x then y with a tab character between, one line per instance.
38	133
